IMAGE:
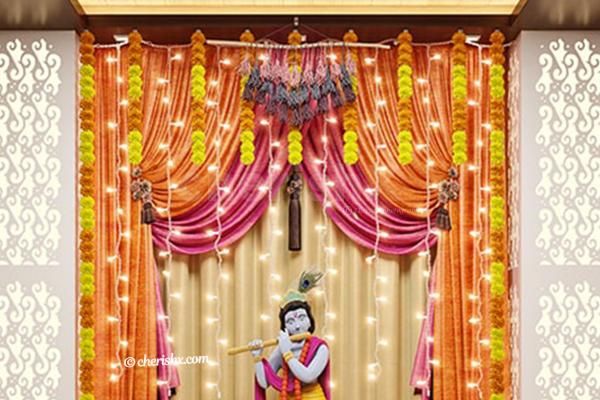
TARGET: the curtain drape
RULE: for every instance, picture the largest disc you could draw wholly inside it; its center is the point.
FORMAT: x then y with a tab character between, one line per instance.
248	310
131	260
459	262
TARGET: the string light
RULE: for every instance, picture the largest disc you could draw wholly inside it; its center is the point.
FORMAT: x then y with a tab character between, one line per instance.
376	369
221	275
115	260
432	295
475	296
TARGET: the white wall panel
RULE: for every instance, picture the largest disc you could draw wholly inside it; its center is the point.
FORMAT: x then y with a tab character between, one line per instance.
38	184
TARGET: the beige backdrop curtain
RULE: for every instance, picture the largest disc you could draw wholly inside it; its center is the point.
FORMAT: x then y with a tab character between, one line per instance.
247	295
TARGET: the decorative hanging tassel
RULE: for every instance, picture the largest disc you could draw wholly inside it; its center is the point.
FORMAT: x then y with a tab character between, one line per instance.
328	85
147	214
322	105
141	190
306	112
294	188
265	89
303	93
336	99
346	83
296	117
448	191
442	219
315	91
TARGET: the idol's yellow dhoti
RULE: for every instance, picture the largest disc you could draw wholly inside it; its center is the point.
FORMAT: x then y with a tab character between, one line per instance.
314	391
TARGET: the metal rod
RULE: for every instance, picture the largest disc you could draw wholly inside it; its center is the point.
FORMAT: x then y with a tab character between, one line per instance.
232	43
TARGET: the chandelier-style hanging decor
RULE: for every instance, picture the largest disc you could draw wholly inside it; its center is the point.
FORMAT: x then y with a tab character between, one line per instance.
294	92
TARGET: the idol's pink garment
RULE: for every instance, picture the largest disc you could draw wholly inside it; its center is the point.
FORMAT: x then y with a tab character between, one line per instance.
275	381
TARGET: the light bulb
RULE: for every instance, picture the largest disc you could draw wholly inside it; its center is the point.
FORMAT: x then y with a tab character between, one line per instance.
276	277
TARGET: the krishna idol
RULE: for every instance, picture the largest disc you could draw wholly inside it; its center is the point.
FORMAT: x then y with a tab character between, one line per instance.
298	368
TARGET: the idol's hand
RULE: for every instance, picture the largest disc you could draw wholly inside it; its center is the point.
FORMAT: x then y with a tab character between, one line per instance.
285	344
257	345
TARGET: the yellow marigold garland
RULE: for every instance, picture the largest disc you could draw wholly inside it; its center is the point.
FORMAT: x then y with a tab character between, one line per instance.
499	301
405	93
134	95
198	93
459	98
87	217
351	109
247	148
294	136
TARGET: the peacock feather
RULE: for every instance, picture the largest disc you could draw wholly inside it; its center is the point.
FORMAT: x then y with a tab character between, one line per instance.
308	280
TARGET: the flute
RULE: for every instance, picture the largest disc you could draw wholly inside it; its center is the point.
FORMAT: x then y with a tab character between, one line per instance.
267	343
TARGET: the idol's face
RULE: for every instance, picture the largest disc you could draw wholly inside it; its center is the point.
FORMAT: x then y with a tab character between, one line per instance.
297	321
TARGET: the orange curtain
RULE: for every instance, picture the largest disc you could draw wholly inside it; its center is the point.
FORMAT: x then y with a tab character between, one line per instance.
135	256
458	262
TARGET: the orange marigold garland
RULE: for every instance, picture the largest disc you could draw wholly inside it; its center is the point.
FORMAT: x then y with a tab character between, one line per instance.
198	93
87	216
499	301
351	108
247	106
283	393
295	66
134	96
459	98
405	93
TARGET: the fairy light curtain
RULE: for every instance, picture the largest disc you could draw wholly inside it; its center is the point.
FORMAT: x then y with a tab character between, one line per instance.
248	313
185	198
244	187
